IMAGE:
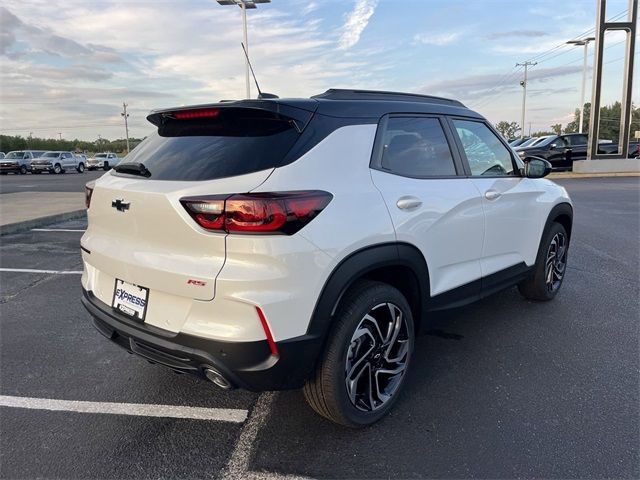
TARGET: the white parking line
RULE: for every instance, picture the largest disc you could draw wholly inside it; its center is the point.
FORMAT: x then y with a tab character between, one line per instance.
136	409
238	464
32	270
55	230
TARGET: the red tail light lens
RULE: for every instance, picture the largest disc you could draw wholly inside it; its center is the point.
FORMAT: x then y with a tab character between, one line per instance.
257	213
196	113
88	192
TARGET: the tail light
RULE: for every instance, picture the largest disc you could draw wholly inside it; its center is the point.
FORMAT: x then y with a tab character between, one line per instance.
281	213
88	192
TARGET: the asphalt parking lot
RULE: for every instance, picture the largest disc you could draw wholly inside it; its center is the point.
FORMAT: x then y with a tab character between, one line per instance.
505	388
70	181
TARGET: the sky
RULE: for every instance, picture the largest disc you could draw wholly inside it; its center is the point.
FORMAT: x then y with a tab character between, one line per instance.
67	65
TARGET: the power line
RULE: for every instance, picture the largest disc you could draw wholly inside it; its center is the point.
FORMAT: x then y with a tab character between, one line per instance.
561	45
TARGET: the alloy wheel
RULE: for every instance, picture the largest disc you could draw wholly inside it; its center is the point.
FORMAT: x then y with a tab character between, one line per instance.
556	263
377	357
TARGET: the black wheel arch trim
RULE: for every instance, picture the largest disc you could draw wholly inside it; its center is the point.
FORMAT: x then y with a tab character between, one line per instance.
564	213
356	266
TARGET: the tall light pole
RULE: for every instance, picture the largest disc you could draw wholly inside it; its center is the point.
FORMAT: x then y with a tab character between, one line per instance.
526	65
582	42
126	123
244	5
60	135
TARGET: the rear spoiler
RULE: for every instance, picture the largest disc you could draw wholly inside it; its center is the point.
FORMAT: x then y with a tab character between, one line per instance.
299	111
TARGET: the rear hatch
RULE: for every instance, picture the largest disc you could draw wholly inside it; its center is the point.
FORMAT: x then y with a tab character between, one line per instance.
140	233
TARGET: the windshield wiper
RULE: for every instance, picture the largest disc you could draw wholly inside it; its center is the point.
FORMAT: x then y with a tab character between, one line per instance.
133	168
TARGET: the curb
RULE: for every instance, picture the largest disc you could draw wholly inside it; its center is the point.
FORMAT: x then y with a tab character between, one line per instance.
27	225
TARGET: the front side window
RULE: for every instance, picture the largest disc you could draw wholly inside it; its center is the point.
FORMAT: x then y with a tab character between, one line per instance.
486	154
416	147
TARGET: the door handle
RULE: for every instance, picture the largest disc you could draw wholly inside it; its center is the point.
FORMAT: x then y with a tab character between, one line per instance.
492	194
408	203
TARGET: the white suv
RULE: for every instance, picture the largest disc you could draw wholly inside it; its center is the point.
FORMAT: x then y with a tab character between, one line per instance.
272	243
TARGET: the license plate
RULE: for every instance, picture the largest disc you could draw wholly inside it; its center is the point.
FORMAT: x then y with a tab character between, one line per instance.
130	299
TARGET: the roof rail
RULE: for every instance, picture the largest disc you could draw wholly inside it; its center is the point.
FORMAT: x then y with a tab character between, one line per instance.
344	94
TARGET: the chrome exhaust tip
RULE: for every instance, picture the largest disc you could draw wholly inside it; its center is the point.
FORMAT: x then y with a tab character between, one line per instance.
217	378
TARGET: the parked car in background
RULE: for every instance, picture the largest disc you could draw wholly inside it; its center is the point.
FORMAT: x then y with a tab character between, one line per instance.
18	161
104	160
518	141
562	150
57	162
273	244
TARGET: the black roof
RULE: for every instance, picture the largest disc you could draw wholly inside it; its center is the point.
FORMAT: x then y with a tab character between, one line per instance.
342	103
372	95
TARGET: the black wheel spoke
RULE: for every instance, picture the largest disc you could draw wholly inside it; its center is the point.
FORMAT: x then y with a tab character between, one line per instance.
377	357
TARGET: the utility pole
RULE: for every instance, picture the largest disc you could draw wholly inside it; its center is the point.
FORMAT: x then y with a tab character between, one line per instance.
526	65
126	123
529	129
30	138
583	42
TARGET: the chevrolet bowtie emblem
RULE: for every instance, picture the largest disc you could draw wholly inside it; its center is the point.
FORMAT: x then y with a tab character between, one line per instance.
120	205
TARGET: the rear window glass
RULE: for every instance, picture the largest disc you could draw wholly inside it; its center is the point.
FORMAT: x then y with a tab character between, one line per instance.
234	142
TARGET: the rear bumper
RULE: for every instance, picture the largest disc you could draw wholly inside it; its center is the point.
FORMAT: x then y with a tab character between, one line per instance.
248	365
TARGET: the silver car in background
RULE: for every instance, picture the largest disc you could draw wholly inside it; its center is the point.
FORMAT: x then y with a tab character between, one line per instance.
18	161
57	162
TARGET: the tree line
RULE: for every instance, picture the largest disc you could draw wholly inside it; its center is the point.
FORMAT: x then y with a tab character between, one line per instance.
9	143
609	123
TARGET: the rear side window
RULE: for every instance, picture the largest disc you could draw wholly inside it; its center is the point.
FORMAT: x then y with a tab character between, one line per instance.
486	154
416	147
233	142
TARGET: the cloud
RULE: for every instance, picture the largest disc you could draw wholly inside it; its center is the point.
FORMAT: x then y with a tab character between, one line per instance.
476	86
44	41
438	39
517	33
356	22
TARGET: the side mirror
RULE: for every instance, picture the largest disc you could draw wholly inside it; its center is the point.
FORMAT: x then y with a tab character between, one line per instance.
554	145
535	167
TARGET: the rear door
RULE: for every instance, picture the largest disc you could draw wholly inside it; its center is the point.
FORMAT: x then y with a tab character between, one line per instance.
432	205
140	233
511	202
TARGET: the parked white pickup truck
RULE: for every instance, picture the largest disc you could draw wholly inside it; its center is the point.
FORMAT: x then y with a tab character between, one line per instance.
104	160
57	162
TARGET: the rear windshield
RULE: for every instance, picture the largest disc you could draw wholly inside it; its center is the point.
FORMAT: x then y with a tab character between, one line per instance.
234	142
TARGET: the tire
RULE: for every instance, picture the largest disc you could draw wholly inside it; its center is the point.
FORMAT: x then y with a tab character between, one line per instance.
3	173
105	166
80	168
550	267
356	345
57	169
23	169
